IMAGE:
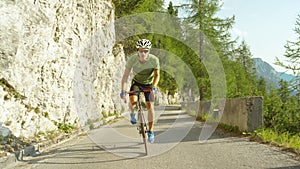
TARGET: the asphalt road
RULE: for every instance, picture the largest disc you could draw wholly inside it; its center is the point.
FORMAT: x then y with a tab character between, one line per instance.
118	145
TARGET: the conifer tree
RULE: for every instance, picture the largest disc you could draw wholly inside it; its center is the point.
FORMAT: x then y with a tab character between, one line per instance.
171	9
292	53
216	29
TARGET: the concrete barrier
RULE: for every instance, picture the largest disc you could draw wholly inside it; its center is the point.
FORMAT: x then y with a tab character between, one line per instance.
245	113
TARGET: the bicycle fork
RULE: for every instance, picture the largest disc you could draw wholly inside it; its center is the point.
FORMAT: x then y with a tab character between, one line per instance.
141	120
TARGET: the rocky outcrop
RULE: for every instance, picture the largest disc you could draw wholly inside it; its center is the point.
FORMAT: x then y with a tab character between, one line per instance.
58	63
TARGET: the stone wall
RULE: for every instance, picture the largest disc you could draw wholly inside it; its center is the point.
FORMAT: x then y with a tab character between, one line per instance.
245	113
58	64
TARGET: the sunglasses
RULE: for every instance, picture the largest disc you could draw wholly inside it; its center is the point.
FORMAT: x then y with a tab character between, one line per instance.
143	51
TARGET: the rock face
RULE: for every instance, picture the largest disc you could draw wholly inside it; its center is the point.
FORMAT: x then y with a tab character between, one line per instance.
58	64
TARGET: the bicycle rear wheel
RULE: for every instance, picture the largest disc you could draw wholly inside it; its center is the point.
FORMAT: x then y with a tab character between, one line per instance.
143	130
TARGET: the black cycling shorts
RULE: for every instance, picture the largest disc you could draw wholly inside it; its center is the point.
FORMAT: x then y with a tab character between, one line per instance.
135	86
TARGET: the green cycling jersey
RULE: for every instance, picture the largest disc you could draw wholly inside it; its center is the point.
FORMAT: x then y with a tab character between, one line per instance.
143	72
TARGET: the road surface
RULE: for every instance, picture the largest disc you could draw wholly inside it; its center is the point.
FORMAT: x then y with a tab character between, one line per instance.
118	145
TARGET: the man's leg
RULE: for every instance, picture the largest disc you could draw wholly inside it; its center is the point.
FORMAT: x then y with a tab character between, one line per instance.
132	105
150	109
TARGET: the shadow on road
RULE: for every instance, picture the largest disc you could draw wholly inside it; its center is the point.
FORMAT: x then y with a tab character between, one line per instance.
72	155
167	119
289	167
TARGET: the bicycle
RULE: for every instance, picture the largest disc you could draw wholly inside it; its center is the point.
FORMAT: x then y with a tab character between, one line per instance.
142	125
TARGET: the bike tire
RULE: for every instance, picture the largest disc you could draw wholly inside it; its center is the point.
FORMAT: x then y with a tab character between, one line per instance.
143	132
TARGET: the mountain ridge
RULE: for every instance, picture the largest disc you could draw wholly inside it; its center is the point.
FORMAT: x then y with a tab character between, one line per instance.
271	76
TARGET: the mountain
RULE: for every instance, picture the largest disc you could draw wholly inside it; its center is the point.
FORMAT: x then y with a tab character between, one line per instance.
271	76
286	77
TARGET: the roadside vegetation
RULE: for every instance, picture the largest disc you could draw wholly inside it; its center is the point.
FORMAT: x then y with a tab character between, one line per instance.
289	142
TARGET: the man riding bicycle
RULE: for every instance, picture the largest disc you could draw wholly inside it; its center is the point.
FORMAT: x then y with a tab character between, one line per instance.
145	67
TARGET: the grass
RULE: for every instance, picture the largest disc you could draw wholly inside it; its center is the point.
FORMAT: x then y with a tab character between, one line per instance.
49	135
66	128
104	114
207	117
285	139
230	128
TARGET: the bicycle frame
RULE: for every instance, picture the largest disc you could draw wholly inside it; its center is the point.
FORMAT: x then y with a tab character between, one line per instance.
142	125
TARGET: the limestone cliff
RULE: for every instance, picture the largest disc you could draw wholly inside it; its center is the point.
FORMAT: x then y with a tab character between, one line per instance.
58	64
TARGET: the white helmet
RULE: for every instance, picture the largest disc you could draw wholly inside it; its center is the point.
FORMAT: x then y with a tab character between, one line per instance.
143	43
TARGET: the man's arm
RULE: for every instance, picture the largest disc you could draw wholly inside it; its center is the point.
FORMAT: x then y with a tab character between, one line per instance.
124	79
156	78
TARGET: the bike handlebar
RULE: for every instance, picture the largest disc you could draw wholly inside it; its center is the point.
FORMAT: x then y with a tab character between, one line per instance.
145	91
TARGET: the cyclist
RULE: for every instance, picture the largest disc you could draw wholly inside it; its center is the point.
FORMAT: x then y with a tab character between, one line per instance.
145	67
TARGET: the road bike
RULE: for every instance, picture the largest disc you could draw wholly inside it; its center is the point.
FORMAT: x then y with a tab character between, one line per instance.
142	125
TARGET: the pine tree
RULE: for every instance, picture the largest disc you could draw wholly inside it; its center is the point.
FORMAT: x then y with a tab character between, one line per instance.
171	9
283	91
214	32
124	8
262	87
243	56
246	72
292	54
149	6
287	118
272	107
203	15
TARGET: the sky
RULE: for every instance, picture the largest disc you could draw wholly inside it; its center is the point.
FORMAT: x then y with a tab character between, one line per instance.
265	25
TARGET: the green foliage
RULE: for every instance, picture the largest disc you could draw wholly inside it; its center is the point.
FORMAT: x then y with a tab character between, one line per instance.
240	73
37	110
171	9
47	135
124	8
167	83
66	128
292	51
45	114
104	114
203	14
283	139
281	111
283	91
293	59
261	87
148	6
230	128
114	113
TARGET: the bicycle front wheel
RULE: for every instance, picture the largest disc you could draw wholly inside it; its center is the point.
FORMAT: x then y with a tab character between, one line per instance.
143	131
